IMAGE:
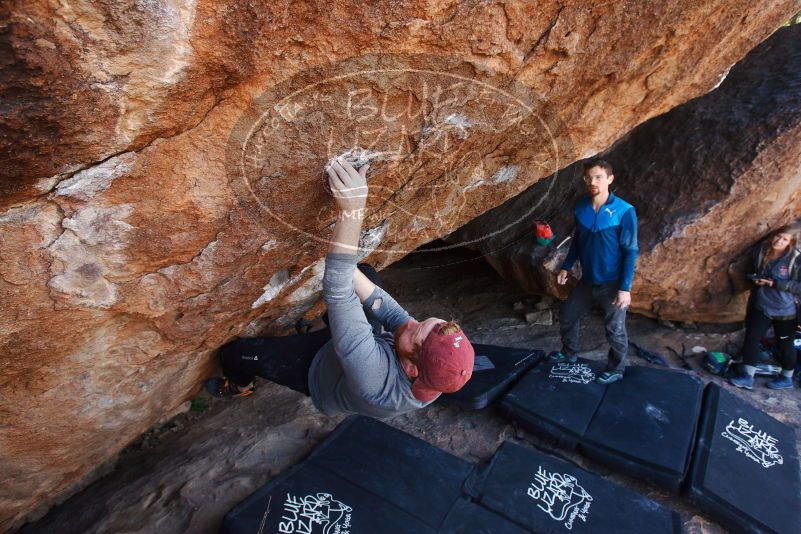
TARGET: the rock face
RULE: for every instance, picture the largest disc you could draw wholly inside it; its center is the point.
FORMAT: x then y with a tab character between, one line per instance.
161	186
709	179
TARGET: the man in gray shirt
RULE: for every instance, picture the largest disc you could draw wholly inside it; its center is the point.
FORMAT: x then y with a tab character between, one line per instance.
359	369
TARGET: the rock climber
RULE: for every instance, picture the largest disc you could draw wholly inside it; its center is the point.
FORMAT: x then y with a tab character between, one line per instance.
350	366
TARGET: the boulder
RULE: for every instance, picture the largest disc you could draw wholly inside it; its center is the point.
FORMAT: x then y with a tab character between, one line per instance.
708	179
161	189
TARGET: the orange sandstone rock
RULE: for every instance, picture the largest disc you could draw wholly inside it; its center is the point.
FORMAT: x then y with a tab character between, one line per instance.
161	182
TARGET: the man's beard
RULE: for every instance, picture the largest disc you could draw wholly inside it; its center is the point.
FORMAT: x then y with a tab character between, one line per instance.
396	336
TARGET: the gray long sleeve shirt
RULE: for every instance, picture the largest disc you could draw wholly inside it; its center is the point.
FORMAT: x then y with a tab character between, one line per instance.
358	370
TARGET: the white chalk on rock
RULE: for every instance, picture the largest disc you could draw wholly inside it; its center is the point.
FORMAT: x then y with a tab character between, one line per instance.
358	157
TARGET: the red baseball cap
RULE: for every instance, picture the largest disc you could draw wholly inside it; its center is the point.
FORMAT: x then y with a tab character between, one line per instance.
444	366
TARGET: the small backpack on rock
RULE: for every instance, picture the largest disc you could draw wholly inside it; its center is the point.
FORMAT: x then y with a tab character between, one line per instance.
543	233
717	363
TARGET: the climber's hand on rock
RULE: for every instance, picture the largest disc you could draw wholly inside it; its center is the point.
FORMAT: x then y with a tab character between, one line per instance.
561	278
348	186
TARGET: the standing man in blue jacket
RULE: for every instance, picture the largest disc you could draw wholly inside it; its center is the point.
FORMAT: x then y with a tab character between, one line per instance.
605	243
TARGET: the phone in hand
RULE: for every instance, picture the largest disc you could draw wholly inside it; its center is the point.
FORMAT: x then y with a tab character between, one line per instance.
752	276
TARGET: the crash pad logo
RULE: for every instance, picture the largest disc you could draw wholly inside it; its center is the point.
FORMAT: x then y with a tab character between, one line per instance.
315	514
560	496
756	444
573	373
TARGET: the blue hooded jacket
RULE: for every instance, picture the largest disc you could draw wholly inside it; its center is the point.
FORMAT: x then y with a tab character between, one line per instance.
605	242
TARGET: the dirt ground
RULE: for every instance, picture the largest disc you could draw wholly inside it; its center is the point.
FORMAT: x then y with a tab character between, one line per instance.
184	475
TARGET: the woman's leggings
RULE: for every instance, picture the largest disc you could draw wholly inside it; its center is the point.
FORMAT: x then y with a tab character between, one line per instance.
285	360
756	324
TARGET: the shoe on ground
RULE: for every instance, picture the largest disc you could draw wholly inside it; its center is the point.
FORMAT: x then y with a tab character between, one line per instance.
781	382
559	357
743	381
607	377
222	388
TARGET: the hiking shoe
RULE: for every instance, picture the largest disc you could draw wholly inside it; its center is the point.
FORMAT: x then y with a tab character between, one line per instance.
743	381
559	357
781	382
222	388
607	377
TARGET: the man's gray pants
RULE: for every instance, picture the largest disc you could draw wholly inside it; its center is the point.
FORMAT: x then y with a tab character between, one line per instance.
576	307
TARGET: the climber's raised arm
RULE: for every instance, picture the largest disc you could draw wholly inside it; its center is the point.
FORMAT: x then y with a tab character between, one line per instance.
363	286
349	188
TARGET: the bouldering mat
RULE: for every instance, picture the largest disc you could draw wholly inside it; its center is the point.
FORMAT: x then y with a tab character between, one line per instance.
549	495
467	517
495	370
312	500
556	401
745	470
416	476
645	425
385	476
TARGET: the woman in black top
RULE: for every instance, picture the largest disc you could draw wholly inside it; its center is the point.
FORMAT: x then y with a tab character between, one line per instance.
773	302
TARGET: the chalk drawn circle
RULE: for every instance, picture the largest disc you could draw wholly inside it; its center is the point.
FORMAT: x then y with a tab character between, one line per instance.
276	151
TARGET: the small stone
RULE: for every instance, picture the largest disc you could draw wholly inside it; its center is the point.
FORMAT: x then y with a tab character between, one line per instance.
542	317
689	325
519	306
667	324
542	305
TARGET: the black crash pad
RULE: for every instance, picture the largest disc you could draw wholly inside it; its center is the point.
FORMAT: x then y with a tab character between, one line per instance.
372	468
495	370
309	499
549	495
556	401
645	425
745	470
414	475
470	518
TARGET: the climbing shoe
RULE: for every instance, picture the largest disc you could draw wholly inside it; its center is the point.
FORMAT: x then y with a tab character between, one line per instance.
607	377
781	382
222	388
743	381
559	357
